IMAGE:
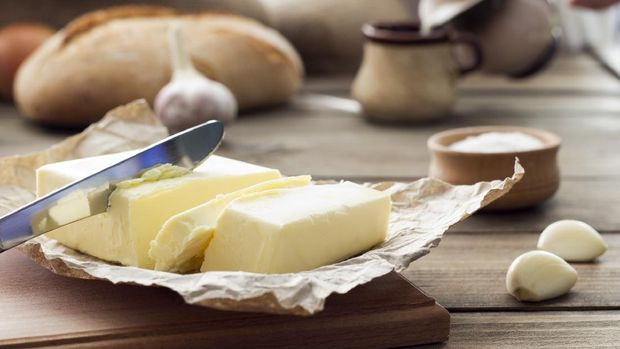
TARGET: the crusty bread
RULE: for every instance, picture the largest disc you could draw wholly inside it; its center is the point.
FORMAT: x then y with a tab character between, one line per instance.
111	57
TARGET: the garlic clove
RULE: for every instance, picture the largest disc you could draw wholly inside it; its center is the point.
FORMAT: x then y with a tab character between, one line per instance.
572	240
539	275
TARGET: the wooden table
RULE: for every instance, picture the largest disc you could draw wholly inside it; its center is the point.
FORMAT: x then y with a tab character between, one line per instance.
574	98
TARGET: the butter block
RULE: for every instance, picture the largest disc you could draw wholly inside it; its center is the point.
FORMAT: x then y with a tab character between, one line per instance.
136	213
296	229
180	244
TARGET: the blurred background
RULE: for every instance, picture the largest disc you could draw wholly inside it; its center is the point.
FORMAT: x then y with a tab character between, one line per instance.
508	39
327	34
514	34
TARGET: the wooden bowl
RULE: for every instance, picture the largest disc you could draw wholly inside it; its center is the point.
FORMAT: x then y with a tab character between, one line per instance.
542	173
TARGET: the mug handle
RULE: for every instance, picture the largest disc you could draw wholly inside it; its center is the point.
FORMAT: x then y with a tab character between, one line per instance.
471	41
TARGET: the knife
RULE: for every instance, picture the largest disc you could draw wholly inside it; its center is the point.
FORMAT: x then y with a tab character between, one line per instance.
190	147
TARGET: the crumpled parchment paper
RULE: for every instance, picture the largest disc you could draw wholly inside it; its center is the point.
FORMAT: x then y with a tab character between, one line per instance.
422	211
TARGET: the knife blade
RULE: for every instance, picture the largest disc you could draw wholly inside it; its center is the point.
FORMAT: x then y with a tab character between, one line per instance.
187	148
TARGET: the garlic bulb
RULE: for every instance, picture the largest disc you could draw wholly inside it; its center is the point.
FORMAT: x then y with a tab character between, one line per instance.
539	275
190	98
574	241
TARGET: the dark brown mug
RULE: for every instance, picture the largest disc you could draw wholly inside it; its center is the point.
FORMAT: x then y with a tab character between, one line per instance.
407	76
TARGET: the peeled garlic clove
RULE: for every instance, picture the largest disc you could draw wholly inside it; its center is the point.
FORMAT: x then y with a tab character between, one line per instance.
572	240
539	275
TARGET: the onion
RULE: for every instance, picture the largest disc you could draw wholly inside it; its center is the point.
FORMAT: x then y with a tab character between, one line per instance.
17	41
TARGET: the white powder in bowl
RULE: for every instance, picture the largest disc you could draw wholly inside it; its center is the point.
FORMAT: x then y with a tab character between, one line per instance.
498	142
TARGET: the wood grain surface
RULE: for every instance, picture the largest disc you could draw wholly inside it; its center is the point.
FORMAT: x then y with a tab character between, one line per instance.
575	97
39	308
329	143
596	201
581	329
475	282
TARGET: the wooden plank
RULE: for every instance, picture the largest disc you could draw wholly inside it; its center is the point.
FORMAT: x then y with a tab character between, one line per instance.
569	74
467	272
329	143
526	330
499	104
39	308
541	105
591	201
574	74
336	144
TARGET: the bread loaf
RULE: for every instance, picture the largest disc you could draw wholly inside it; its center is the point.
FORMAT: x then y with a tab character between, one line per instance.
111	57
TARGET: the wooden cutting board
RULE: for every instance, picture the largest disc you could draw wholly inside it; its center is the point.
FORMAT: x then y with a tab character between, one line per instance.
38	308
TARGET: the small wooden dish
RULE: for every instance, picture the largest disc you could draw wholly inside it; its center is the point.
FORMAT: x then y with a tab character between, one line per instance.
542	173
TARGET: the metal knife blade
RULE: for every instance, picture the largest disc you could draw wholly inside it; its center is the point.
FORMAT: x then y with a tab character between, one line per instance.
191	146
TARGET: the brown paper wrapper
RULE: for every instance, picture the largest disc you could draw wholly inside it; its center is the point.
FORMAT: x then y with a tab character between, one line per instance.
422	211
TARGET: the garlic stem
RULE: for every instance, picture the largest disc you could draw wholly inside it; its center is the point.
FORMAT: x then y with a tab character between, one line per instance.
182	66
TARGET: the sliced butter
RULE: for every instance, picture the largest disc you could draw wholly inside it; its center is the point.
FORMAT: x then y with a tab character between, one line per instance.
123	233
180	244
290	230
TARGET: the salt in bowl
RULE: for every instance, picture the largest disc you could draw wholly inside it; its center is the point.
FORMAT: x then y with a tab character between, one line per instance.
542	173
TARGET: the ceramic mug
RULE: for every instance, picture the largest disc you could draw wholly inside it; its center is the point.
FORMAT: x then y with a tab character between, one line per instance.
409	77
